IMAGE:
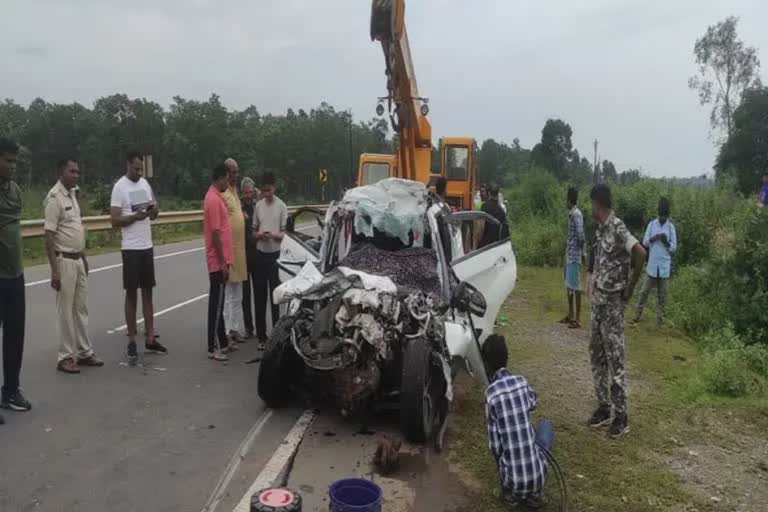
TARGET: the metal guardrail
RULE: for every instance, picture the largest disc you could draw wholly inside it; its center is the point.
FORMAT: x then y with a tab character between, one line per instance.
35	228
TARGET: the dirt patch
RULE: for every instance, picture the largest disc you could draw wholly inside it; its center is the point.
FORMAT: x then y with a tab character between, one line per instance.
730	469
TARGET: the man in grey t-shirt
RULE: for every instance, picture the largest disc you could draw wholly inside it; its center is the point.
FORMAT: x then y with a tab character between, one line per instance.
269	218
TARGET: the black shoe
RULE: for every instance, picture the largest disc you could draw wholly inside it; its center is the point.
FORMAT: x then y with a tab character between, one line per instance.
601	417
15	402
528	503
133	353
155	348
619	427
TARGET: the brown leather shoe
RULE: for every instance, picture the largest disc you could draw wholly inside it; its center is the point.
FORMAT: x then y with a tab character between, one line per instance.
68	365
91	360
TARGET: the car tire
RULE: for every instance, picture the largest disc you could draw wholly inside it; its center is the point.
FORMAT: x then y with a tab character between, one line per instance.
278	369
418	404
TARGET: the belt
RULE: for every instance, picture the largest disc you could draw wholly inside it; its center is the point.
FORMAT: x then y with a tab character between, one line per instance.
70	255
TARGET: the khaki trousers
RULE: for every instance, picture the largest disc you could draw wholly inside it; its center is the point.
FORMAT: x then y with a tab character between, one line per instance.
72	309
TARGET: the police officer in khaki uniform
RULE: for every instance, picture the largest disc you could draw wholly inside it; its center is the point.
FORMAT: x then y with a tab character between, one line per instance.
65	243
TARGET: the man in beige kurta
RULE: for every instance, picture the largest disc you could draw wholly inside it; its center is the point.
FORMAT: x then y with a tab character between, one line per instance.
65	243
233	293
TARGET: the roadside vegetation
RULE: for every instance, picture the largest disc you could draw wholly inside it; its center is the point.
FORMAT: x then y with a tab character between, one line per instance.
691	446
719	287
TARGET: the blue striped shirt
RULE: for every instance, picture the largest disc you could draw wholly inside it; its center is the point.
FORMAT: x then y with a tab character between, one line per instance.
511	437
575	236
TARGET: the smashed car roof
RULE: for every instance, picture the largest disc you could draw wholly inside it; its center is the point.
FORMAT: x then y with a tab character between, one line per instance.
394	206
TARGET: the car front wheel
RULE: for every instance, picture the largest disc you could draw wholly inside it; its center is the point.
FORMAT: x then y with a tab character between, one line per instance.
280	365
419	391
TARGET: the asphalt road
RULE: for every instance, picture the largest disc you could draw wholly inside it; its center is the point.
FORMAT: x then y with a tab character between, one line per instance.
130	439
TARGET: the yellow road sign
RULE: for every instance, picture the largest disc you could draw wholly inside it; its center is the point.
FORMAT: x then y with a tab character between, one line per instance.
323	175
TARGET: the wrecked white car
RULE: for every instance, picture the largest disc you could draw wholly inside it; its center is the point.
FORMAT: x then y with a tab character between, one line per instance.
393	303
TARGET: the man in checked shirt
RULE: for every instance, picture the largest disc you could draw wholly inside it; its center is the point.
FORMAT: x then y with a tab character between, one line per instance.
518	448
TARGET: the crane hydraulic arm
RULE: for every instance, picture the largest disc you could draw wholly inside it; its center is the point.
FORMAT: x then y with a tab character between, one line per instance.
407	109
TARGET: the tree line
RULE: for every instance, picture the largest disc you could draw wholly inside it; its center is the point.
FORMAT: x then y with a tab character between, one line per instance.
187	139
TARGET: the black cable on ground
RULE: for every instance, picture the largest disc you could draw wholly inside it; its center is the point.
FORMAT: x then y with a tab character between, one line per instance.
559	475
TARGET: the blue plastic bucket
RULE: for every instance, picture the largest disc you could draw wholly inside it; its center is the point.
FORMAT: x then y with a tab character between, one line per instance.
355	495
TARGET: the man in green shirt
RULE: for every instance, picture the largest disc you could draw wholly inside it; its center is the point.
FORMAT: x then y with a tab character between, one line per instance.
12	301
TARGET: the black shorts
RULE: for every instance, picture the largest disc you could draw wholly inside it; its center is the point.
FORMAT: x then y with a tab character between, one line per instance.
138	269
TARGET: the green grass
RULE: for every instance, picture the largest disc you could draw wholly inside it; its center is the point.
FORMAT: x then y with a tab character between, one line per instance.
668	401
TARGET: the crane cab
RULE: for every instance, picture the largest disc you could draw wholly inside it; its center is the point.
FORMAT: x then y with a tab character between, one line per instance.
458	157
374	168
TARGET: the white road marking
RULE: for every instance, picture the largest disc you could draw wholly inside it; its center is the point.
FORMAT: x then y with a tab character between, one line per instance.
279	462
161	312
235	461
118	265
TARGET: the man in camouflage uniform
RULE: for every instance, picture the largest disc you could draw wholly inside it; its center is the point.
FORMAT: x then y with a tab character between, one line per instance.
614	249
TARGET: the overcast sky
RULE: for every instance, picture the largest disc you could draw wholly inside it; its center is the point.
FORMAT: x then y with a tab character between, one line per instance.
616	70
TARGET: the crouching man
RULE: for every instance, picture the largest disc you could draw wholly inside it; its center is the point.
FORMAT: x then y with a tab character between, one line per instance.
518	448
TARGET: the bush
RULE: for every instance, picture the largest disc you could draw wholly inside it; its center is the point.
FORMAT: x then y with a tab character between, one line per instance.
726	372
539	242
731	367
699	298
536	194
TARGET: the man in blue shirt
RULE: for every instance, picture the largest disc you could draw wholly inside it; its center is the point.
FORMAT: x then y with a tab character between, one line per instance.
518	449
661	241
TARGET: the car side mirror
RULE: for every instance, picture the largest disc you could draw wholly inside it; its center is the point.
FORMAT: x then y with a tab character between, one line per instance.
468	299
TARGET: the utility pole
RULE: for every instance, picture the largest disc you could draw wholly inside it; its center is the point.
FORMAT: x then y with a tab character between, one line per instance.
351	156
596	174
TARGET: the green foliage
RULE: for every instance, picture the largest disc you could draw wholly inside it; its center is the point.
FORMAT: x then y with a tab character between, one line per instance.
726	372
499	162
750	277
539	242
101	198
727	67
745	154
732	368
555	153
699	299
535	194
187	140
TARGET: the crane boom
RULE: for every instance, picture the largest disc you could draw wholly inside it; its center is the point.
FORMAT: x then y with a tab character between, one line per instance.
405	105
408	115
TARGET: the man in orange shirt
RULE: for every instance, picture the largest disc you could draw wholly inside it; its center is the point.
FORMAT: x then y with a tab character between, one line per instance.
218	254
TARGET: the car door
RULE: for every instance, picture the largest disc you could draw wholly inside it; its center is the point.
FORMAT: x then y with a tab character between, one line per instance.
301	243
493	271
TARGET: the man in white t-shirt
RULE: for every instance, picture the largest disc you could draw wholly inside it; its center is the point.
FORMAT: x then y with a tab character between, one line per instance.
133	205
269	218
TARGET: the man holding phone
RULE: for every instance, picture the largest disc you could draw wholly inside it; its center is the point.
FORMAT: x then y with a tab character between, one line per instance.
269	218
133	205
